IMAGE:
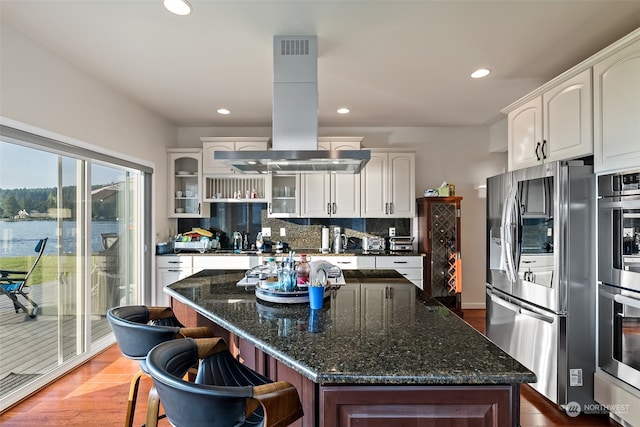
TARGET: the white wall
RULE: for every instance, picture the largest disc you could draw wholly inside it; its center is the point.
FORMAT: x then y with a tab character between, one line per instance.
44	91
457	155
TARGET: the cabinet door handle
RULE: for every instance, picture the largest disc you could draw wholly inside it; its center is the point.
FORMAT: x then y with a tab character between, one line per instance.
270	210
335	208
537	148
400	262
199	209
328	208
386	208
544	142
391	208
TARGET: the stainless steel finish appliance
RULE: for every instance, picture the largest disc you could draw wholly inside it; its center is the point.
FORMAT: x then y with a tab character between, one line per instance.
619	276
619	230
401	243
339	241
373	244
295	119
540	283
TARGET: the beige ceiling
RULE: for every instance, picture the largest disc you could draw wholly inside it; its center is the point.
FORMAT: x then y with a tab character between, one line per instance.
394	63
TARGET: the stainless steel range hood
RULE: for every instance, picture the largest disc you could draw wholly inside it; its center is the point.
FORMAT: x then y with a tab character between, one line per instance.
295	119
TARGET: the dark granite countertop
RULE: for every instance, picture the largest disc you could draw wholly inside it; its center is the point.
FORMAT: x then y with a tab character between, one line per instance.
364	334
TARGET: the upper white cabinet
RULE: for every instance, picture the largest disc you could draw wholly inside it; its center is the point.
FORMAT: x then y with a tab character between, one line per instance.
331	195
388	185
283	195
553	126
185	183
617	109
212	144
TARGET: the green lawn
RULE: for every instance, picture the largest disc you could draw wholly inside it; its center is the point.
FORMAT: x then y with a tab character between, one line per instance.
46	270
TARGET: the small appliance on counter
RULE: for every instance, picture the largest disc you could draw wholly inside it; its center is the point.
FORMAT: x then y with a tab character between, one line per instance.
401	244
373	244
339	241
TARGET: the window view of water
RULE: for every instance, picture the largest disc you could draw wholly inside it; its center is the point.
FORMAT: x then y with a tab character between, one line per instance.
19	238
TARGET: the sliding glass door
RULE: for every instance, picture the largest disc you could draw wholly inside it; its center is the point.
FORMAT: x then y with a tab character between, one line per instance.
91	213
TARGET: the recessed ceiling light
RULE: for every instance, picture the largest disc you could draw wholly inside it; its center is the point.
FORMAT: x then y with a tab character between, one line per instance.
343	110
224	111
479	73
179	7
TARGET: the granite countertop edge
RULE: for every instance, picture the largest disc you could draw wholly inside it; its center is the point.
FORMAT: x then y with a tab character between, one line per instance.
323	377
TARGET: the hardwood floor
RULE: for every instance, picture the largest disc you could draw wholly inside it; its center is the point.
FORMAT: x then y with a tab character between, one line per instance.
95	394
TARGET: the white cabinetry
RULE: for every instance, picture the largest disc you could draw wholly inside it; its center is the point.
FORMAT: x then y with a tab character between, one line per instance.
388	185
411	267
185	183
170	269
222	262
283	195
212	144
331	195
617	109
555	125
347	262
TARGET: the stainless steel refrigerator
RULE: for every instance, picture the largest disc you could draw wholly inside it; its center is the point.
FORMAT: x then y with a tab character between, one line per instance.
541	287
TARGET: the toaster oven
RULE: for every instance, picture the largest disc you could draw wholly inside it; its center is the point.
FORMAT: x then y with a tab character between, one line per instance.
373	244
401	244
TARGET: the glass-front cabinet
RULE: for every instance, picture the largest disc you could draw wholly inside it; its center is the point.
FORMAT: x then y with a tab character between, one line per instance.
185	183
283	193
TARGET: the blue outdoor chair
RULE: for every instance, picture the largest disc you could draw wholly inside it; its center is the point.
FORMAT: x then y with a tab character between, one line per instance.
14	283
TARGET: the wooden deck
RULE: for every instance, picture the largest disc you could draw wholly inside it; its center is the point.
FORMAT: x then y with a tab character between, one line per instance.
31	346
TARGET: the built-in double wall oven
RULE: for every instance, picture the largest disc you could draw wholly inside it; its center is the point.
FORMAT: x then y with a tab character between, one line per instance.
619	276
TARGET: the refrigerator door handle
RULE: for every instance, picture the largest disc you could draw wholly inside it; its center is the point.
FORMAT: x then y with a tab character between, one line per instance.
631	302
535	315
507	234
504	303
519	309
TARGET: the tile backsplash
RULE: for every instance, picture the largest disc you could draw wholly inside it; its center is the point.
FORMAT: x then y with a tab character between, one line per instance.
301	233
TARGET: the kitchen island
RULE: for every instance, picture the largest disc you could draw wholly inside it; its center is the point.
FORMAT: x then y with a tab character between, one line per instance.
379	352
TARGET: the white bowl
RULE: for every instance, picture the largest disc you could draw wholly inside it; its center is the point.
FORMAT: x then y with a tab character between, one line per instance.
183	172
179	210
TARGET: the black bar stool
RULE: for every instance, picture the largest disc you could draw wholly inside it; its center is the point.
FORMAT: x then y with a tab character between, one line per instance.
138	329
225	393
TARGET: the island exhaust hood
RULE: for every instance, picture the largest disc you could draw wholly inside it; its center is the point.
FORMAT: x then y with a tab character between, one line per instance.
295	119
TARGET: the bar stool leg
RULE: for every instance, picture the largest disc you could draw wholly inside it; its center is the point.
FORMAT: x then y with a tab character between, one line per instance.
133	395
153	408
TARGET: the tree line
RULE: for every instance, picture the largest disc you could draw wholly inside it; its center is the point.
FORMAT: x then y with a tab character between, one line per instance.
40	200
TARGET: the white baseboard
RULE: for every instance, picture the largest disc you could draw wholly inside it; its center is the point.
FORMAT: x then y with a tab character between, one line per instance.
474	306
